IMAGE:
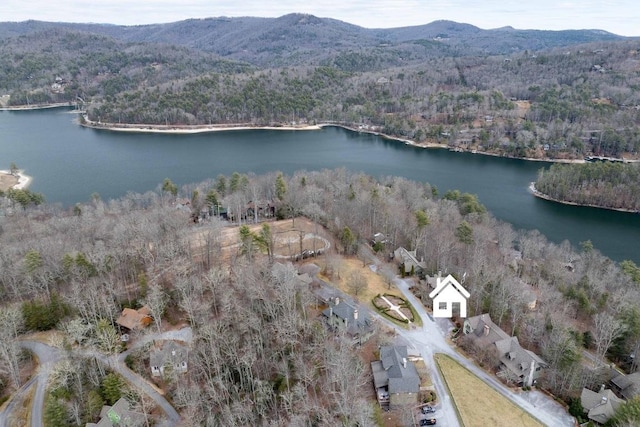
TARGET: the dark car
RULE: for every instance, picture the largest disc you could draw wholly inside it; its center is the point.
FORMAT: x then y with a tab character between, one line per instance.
428	422
428	410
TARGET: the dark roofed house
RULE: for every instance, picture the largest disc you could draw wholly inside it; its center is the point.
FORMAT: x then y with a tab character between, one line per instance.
483	331
119	415
342	316
627	386
395	378
169	354
518	364
600	406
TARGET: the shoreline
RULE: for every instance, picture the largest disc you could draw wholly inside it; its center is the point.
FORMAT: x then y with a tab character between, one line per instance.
23	180
195	129
187	129
37	107
536	193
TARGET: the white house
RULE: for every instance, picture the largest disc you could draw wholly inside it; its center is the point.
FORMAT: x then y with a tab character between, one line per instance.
447	293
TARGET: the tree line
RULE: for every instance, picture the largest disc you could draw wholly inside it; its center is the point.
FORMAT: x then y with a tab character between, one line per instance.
612	185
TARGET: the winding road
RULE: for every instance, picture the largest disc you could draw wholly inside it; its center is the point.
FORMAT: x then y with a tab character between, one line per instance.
48	357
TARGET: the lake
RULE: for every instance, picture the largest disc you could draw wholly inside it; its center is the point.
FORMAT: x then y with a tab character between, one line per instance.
69	163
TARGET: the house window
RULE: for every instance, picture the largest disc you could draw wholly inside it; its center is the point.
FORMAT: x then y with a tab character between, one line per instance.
442	305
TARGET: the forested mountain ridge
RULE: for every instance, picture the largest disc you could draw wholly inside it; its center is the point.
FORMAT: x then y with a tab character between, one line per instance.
561	103
297	39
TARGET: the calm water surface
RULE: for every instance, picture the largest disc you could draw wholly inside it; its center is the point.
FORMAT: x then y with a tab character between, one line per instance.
69	163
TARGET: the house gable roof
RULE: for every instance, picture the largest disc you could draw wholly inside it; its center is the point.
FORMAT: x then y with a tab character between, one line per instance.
600	406
515	358
135	319
444	283
401	373
347	313
629	385
484	331
118	415
169	352
408	256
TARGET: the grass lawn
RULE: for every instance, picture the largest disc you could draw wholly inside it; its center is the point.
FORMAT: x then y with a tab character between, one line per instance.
375	285
478	404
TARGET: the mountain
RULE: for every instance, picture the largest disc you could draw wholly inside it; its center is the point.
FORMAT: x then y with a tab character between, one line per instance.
297	39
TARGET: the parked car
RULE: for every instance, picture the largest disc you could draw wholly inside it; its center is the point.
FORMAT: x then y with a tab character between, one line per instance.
428	409
428	422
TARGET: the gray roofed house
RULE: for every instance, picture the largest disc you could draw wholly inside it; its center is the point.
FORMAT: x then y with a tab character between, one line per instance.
627	386
119	415
600	406
396	377
518	363
522	364
483	331
346	317
168	354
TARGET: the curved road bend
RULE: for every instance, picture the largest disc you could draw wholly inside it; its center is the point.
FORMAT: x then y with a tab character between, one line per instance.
18	396
430	339
49	356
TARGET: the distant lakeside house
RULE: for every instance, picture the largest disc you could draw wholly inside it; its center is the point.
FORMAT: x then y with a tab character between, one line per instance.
517	364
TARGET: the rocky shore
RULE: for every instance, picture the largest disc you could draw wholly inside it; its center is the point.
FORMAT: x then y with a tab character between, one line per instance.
19	181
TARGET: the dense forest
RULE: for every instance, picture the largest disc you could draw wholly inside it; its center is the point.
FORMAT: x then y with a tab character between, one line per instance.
610	185
259	354
564	102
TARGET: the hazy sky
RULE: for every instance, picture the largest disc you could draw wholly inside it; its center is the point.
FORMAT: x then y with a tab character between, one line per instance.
617	16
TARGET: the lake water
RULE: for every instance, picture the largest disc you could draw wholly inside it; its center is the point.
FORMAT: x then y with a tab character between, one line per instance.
69	163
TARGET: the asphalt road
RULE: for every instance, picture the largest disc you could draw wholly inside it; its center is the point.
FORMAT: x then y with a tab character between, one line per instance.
48	356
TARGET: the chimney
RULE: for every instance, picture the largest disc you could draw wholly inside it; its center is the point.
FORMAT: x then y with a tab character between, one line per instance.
355	314
486	330
532	369
404	362
601	388
337	300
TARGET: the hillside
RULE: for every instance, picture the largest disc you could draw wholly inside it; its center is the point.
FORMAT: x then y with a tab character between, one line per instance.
519	93
297	39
